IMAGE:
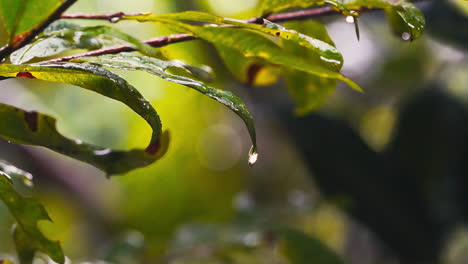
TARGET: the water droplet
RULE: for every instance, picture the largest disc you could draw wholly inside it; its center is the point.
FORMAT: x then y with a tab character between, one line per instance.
350	19
406	36
102	152
253	158
114	19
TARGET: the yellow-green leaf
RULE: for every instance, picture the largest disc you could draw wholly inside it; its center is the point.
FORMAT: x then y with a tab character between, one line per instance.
328	53
160	68
61	36
254	45
308	91
36	129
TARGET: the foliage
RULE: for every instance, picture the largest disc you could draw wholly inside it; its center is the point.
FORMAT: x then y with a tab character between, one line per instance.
301	51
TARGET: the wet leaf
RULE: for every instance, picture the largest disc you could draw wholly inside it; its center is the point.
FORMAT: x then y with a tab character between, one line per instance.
61	36
33	128
252	71
328	53
406	20
300	248
403	16
20	16
27	212
25	178
308	91
271	6
129	61
254	45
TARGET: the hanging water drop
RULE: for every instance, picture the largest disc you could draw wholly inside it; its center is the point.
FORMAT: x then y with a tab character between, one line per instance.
406	36
253	156
350	19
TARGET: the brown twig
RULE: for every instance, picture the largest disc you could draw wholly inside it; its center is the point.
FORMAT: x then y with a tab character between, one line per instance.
111	17
177	38
25	39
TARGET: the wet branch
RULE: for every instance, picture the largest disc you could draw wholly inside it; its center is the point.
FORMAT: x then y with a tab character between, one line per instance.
177	38
111	17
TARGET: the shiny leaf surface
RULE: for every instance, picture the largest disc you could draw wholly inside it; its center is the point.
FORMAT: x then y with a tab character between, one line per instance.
161	69
62	36
36	129
308	91
328	53
254	45
406	20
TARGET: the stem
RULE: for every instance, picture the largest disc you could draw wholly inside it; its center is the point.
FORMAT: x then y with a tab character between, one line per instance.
111	17
8	49
177	38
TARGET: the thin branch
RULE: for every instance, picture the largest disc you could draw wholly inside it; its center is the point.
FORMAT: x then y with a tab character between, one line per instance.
22	40
177	38
111	17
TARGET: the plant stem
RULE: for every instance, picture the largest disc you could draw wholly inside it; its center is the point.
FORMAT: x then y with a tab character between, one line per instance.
8	49
111	17
177	38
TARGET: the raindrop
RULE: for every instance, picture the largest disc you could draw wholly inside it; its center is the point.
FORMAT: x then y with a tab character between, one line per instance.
406	36
102	152
253	158
350	19
114	19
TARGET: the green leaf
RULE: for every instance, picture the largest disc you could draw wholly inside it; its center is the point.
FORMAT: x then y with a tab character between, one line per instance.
61	36
271	6
308	91
253	71
328	53
25	178
403	16
254	45
20	16
33	128
129	61
27	212
406	20
300	248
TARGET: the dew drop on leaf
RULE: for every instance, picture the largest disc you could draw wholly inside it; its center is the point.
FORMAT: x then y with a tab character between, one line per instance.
350	19
406	36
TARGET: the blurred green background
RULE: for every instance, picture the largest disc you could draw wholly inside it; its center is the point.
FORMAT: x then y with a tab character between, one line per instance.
378	177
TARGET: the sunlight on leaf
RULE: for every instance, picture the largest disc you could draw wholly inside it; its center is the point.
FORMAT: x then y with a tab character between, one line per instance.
61	36
128	61
36	129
